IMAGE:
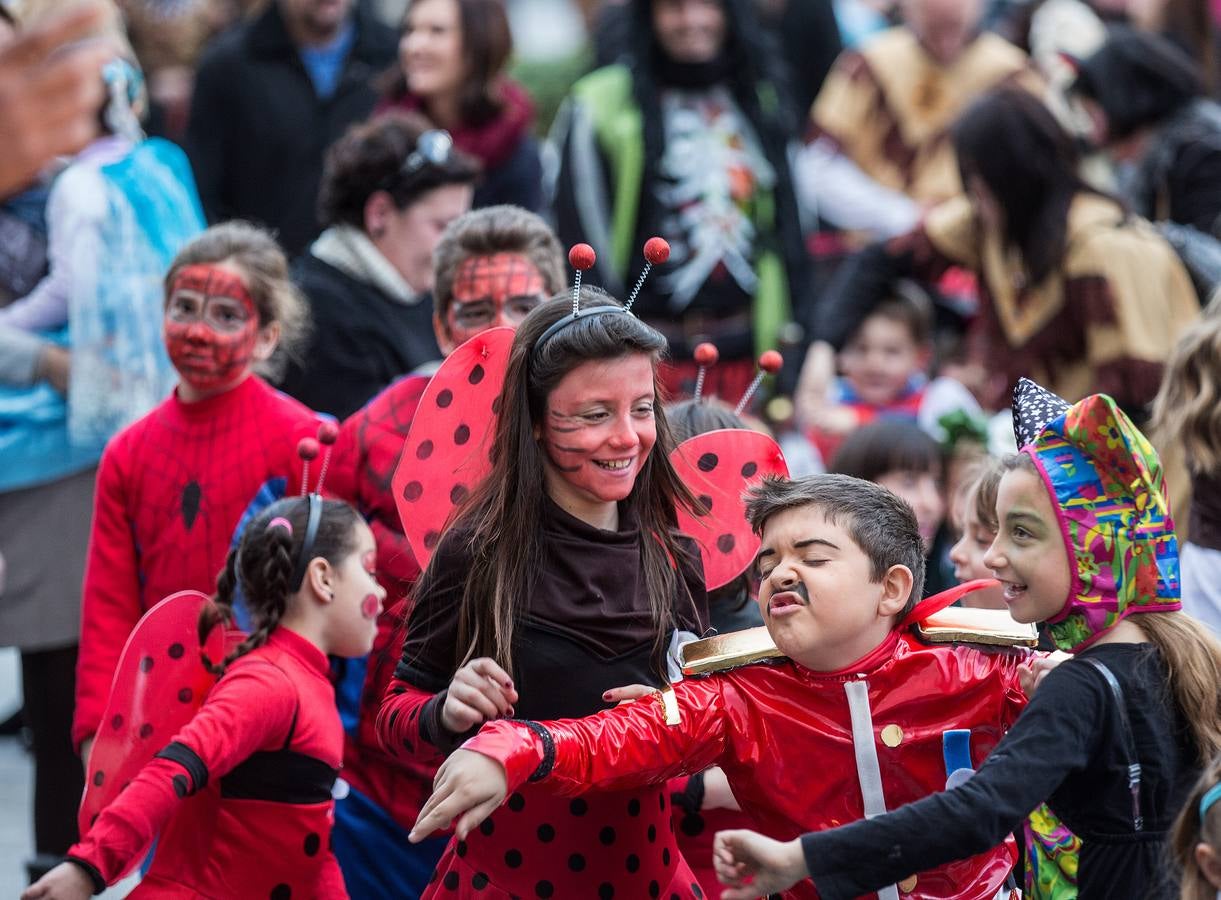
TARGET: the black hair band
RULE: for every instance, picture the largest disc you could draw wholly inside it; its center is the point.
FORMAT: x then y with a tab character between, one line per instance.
576	317
307	545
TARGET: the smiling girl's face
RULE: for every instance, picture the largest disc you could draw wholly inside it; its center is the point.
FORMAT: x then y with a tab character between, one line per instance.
1029	555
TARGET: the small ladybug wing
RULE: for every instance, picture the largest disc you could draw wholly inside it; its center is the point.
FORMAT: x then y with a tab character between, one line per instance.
159	684
450	440
717	467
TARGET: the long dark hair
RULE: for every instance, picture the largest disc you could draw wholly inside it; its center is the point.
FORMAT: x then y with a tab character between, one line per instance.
1009	140
263	564
487	44
500	520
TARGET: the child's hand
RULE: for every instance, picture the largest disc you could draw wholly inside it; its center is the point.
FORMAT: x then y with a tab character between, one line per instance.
67	881
480	690
468	787
751	865
627	693
1031	675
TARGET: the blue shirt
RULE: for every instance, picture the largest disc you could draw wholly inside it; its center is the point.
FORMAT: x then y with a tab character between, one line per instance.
325	63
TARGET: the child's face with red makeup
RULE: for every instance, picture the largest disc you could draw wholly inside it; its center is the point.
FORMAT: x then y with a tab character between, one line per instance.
598	432
212	329
352	615
489	292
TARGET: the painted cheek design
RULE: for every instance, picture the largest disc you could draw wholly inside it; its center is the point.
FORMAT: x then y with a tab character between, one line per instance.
369	562
370	606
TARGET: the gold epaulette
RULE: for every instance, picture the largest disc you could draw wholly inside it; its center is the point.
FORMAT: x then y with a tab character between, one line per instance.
955	624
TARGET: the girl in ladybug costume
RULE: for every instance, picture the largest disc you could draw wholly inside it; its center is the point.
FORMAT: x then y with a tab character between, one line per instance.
261	755
562	576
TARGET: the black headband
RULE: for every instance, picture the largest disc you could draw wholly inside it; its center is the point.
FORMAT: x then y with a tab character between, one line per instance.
307	544
567	320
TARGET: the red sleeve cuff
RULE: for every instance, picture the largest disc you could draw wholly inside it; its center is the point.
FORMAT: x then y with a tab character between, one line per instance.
512	744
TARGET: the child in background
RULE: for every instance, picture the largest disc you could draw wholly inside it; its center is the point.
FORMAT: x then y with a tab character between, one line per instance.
261	755
172	486
1197	838
1113	738
902	458
1187	411
884	375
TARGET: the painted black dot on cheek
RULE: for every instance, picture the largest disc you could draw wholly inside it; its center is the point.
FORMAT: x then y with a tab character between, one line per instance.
476	375
462	434
185	695
176	650
281	892
749	469
116	723
546	833
517	802
146	730
576	862
708	462
98	777
705	503
457	494
445	398
578	807
313	843
180	785
725	543
146	664
424	450
412	491
544	889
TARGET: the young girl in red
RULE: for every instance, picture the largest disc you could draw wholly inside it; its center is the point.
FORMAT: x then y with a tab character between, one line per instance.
172	487
262	754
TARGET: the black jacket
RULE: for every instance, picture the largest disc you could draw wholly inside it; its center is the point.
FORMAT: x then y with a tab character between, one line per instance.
361	341
258	130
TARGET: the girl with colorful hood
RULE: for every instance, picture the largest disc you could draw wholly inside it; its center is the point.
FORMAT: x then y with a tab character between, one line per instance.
1113	739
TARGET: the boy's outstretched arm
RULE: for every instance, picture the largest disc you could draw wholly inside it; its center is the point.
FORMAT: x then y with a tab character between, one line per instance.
751	865
640	743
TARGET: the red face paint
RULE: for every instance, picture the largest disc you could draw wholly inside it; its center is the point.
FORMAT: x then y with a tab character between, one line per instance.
492	291
370	606
211	327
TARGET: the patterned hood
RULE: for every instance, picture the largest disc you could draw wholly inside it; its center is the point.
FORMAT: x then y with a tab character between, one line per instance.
1106	483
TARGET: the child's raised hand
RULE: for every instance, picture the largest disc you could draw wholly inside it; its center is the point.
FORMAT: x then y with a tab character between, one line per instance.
468	787
751	865
480	690
1031	675
67	881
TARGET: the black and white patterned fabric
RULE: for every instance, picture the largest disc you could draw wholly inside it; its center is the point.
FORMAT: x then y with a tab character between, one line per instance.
1033	408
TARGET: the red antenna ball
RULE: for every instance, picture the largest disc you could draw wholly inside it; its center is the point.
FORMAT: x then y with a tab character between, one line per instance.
582	256
656	250
307	448
328	432
771	361
706	354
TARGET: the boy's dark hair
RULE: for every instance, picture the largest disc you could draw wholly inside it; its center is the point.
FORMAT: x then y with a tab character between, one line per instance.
887	446
908	305
881	523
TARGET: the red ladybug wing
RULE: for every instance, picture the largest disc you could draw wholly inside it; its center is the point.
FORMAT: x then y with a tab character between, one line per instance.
448	446
159	684
718	466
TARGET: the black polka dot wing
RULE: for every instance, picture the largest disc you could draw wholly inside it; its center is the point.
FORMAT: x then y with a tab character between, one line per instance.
718	467
447	451
159	685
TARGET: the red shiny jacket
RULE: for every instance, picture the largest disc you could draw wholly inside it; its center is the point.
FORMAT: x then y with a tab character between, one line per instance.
782	733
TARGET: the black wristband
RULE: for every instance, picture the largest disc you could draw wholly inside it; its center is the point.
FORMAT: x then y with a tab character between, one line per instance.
548	763
99	883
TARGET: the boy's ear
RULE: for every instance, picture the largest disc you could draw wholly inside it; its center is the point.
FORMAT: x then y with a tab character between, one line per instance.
896	589
444	339
265	341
